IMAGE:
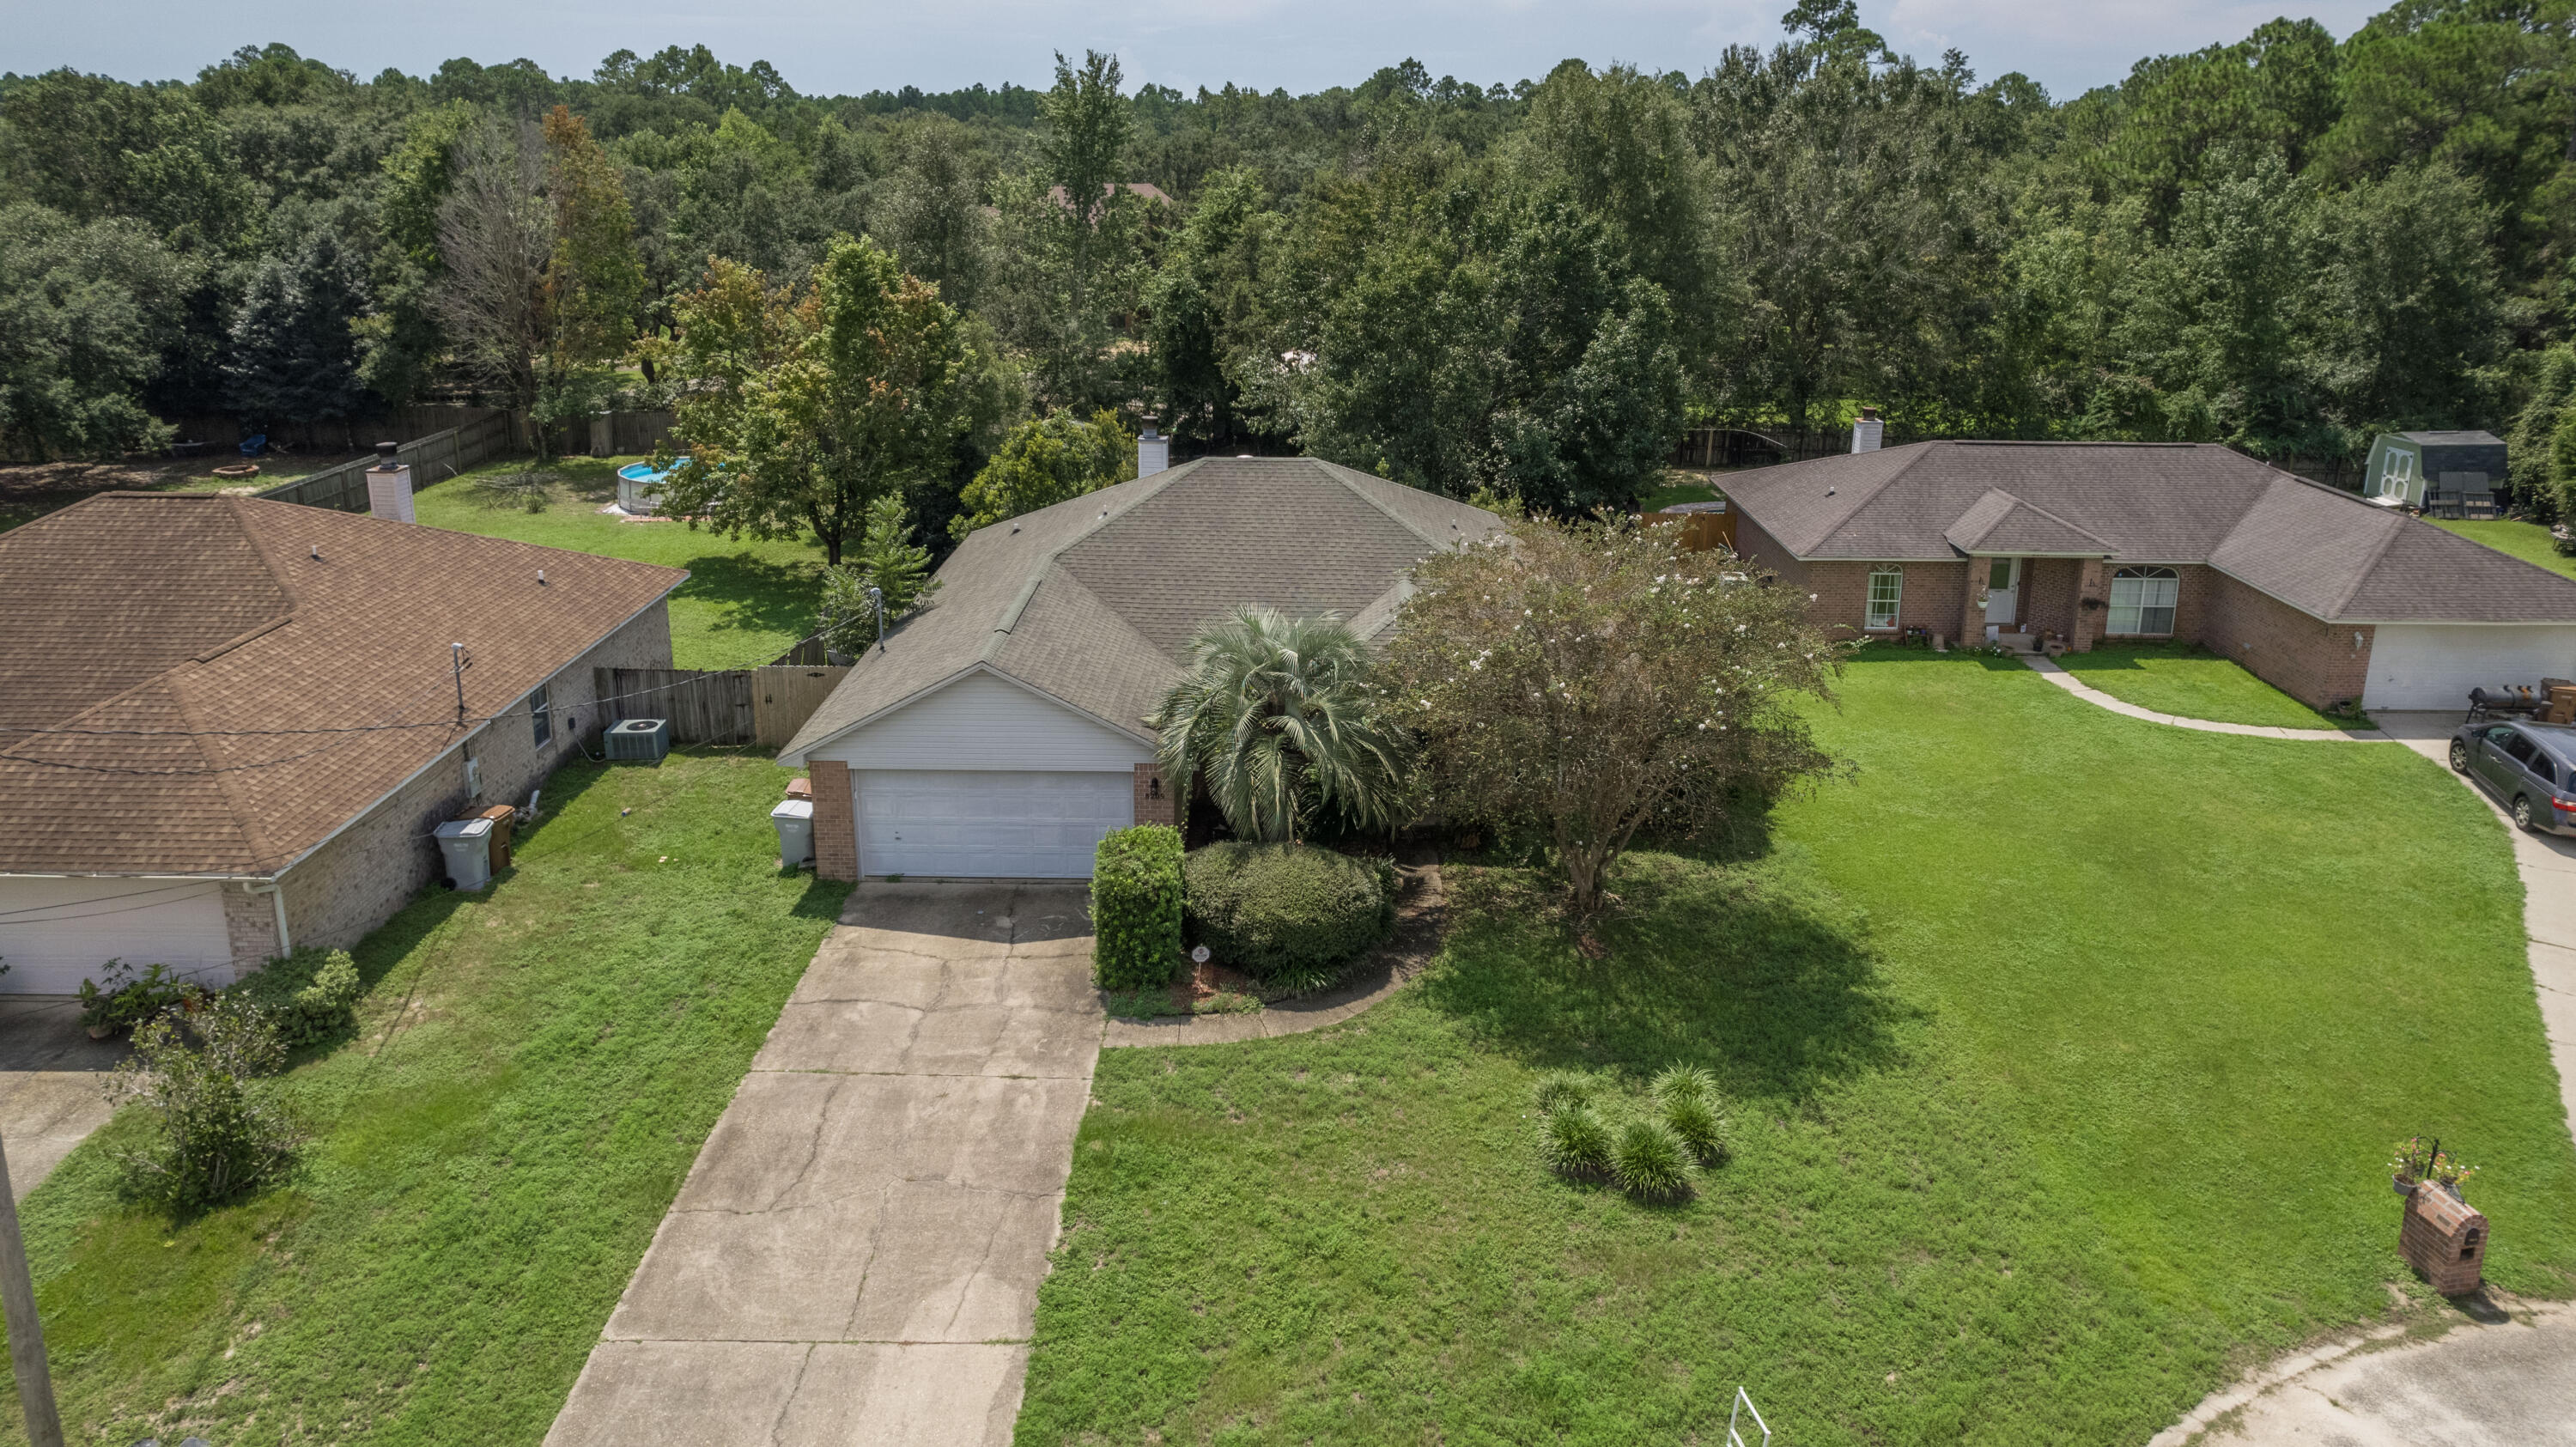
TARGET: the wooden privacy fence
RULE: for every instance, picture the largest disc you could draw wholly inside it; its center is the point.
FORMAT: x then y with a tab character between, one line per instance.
764	706
435	458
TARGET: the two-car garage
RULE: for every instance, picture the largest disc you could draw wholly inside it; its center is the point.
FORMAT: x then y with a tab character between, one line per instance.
2434	665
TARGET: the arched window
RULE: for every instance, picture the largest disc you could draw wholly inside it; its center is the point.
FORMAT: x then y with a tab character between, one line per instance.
2142	601
1886	591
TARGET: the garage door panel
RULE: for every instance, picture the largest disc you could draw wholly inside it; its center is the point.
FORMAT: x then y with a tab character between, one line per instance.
2434	665
987	824
55	933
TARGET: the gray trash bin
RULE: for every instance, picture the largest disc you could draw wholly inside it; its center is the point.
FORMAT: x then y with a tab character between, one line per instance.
795	821
467	844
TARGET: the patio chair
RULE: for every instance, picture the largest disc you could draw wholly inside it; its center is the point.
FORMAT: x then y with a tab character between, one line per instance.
2445	502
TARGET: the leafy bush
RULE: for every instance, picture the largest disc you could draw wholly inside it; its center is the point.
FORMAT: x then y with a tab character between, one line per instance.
1136	908
1290	915
308	996
127	1000
1650	1161
1575	1142
219	1133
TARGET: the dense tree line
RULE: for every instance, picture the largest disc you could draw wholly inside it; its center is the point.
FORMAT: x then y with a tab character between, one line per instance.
2286	243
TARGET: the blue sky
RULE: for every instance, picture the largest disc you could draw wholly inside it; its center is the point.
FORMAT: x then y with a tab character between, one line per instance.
848	46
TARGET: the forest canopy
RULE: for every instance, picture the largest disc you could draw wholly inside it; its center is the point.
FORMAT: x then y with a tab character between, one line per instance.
2286	244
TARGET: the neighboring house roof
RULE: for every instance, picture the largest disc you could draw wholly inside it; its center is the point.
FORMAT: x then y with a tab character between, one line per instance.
1093	601
2453	439
2319	549
188	635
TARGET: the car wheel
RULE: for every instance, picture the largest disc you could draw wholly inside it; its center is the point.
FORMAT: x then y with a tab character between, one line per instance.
2459	757
2522	813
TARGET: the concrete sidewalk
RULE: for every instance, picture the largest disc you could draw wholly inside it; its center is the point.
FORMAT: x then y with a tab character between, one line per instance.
855	1257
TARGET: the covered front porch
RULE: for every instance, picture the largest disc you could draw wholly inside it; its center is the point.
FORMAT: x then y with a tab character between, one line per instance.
2036	603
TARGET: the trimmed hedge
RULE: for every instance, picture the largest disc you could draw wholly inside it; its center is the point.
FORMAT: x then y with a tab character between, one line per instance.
1279	911
1136	908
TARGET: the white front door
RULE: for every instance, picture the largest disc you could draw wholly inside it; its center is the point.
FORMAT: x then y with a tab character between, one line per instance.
2003	590
55	933
958	824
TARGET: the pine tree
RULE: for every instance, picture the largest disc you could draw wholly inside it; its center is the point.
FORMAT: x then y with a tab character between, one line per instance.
887	560
294	354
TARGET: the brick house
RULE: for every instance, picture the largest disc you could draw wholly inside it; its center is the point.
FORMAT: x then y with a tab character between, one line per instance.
1001	731
2326	597
227	726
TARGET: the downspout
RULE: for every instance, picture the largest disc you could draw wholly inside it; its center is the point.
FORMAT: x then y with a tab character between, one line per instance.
275	889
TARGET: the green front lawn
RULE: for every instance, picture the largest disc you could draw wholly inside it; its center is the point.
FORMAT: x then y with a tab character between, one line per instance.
533	1073
745	602
2067	1050
2527	541
2190	682
1679	488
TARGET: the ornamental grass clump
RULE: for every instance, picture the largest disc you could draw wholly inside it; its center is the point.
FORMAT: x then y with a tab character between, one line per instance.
1576	1142
1687	1099
1561	1088
1650	1161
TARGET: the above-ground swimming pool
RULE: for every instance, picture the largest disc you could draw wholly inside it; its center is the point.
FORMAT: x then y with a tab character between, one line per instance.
639	488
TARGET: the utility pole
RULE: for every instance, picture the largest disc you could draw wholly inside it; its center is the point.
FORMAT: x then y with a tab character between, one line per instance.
26	1334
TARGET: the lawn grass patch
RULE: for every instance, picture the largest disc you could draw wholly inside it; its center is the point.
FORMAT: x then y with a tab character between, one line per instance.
2061	1053
531	1073
1675	493
2527	541
2192	682
745	602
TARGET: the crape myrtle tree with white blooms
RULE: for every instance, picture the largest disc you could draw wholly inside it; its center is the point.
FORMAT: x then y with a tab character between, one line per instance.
1588	681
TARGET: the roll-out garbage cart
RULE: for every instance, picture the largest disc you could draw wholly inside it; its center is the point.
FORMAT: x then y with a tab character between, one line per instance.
466	844
795	821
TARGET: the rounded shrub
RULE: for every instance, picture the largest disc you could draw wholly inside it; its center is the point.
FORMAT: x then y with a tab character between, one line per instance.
1650	1162
1291	915
1136	908
1575	1142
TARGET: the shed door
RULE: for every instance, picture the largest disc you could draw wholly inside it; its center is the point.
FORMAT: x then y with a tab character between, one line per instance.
55	933
945	824
2434	665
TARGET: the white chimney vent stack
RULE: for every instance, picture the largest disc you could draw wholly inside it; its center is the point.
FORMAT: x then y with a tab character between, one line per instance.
389	486
1153	451
1867	431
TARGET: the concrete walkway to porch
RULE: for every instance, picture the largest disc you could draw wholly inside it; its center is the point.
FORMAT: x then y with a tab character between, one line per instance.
2048	669
855	1256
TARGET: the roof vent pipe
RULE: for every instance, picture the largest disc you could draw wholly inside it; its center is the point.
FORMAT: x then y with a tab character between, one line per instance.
389	485
1867	432
1153	450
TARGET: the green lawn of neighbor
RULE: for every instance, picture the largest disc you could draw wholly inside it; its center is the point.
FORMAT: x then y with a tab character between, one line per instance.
2192	682
2527	541
745	602
2066	1052
534	1070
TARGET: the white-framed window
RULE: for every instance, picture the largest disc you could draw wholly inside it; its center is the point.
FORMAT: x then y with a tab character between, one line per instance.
1886	591
2142	601
541	715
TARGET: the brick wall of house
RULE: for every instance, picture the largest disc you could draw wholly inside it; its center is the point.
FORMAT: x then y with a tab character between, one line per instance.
361	876
2315	662
836	828
250	927
1762	550
2050	589
1155	803
1931	599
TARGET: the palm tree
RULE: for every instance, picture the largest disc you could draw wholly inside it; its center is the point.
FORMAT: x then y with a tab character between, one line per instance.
1278	717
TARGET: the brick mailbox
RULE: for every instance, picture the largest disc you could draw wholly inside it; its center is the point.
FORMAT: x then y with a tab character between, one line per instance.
2445	1239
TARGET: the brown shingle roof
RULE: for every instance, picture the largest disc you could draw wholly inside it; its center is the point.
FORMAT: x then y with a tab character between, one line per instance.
188	634
2318	549
1093	600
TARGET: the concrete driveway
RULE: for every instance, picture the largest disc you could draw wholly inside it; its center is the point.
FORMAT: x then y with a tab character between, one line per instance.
855	1257
51	1084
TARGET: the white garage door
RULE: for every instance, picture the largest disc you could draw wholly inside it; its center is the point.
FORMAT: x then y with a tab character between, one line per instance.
2434	665
54	933
950	825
